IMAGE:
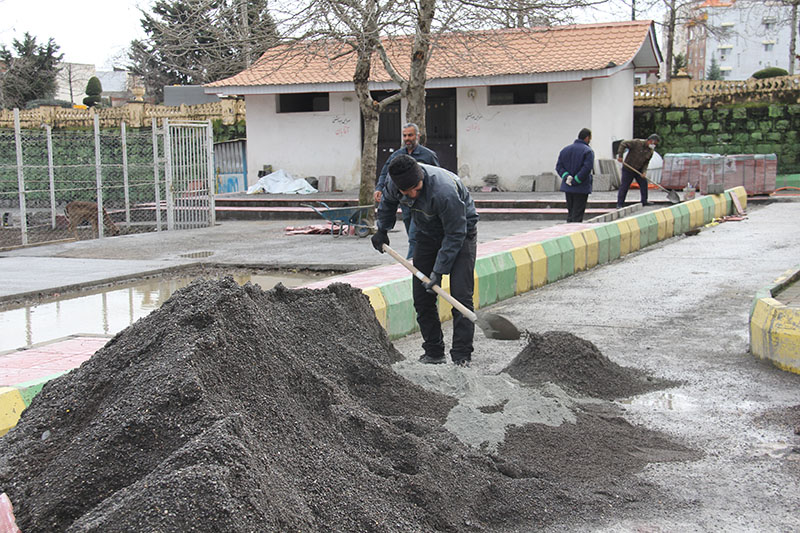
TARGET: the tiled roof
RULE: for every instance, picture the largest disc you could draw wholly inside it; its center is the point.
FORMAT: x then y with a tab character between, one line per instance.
583	47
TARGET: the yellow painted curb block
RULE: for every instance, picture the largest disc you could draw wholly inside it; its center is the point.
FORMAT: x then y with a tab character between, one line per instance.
579	245
695	213
11	407
592	248
775	327
524	269
624	237
378	304
539	262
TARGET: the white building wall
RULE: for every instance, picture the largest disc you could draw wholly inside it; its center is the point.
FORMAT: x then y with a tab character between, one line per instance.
522	140
517	140
612	115
509	141
305	144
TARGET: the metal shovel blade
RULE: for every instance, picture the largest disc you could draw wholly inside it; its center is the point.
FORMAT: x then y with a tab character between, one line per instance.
497	327
673	197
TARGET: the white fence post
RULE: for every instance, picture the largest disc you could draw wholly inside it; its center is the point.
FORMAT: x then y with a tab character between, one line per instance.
154	123
168	176
98	176
125	187
212	213
23	214
51	174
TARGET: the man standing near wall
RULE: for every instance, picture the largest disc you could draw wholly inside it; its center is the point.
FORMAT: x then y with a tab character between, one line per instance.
635	165
574	166
421	154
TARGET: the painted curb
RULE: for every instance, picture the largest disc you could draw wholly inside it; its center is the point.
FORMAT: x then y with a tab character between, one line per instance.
774	327
502	272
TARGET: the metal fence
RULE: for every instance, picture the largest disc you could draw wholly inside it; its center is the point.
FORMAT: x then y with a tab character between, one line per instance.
118	181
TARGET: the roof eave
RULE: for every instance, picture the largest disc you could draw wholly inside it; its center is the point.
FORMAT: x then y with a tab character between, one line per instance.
435	83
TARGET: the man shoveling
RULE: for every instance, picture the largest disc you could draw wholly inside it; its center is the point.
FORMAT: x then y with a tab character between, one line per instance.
446	229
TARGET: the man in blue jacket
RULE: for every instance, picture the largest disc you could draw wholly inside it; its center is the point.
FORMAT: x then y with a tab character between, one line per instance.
421	154
575	166
447	238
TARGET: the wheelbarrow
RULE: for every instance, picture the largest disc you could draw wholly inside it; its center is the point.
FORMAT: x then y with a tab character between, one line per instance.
345	220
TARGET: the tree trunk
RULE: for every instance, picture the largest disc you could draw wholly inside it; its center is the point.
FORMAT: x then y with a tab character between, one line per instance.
670	38
793	40
420	54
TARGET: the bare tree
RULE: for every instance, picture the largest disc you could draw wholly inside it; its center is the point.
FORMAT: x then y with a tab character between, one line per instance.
370	28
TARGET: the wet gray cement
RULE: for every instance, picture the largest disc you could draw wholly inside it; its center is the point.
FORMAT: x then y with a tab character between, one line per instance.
679	310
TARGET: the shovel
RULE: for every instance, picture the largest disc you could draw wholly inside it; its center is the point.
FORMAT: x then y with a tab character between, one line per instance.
493	326
672	196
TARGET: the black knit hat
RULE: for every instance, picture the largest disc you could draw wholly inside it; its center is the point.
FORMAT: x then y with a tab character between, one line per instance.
405	172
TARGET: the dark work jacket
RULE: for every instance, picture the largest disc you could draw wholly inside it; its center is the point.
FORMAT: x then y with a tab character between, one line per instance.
576	160
443	211
420	153
639	154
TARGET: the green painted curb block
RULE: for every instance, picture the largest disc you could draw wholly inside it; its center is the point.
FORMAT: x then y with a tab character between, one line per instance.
681	215
603	239
567	255
648	229
708	208
487	281
506	269
613	241
401	318
553	252
31	388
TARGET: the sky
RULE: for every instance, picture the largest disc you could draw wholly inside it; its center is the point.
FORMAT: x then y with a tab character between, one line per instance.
87	31
99	32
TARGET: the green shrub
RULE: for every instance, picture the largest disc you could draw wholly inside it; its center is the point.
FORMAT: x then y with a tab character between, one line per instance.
33	104
93	90
769	72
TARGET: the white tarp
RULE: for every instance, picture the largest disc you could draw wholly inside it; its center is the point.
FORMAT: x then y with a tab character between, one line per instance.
281	182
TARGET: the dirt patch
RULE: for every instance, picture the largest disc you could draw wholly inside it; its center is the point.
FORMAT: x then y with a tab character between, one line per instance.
575	363
236	409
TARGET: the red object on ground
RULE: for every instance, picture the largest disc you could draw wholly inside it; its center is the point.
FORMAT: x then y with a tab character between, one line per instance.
8	524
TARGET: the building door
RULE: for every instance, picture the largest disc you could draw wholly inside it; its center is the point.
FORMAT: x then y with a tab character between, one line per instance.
440	115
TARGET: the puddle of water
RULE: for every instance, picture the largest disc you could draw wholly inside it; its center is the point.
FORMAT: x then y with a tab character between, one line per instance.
662	401
109	311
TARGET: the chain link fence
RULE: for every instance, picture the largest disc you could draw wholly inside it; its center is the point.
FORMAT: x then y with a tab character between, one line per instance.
78	184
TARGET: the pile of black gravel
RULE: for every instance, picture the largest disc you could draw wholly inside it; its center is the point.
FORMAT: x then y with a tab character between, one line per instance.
567	360
240	410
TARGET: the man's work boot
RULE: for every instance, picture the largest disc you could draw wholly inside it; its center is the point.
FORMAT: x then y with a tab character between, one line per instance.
431	359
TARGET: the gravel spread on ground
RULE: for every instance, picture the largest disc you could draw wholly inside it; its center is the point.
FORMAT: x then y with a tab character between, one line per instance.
241	410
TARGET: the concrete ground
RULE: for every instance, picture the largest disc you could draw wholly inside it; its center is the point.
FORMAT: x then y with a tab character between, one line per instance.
678	309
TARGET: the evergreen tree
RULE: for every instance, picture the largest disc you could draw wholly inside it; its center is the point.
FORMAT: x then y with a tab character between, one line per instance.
191	42
30	72
93	91
679	62
714	72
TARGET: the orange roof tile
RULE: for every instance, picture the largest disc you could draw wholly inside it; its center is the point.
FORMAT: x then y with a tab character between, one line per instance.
475	54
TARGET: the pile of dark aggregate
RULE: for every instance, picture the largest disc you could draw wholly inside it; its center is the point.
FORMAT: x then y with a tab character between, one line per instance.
240	410
568	360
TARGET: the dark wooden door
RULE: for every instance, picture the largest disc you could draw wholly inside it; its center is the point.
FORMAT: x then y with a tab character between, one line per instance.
440	115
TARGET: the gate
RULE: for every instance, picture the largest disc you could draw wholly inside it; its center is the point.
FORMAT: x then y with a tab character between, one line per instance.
189	174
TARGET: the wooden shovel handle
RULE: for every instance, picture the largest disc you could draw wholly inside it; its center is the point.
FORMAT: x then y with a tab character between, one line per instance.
425	279
645	177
